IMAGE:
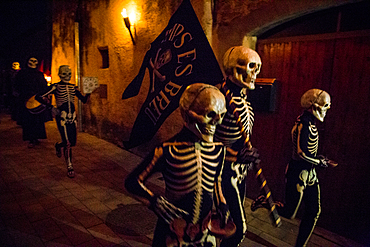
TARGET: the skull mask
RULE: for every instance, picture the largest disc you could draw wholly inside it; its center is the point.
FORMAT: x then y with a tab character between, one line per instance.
319	100
16	66
32	63
203	107
65	73
242	65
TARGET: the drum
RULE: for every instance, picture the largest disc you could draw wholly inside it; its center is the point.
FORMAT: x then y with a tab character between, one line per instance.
35	107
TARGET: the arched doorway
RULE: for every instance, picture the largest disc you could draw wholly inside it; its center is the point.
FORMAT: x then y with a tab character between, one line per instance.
330	50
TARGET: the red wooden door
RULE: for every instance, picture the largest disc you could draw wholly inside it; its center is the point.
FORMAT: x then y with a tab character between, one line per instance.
340	65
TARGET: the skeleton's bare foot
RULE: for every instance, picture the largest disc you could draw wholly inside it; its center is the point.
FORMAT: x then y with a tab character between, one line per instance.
279	204
70	172
260	202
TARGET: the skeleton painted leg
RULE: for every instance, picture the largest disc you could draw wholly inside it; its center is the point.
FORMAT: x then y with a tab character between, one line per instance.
68	159
234	192
312	203
296	182
293	199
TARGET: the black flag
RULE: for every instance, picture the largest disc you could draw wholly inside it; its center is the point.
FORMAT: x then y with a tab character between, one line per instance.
178	57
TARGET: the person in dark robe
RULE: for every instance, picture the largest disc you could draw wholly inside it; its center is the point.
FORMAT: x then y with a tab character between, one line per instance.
28	82
8	85
12	93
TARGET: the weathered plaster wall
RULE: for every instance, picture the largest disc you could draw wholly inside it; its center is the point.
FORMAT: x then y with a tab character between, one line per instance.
101	26
63	50
112	118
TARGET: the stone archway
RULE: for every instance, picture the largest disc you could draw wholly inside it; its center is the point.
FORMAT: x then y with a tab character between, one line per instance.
235	20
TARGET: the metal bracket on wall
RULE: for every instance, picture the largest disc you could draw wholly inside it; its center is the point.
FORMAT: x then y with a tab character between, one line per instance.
263	97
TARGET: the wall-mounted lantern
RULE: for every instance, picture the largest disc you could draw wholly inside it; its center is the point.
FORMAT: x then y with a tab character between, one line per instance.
127	23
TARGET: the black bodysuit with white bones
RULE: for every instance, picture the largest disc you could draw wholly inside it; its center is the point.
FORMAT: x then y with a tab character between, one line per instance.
191	171
66	120
234	173
302	183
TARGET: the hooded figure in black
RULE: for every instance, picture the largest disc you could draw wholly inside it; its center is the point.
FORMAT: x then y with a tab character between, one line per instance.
8	87
28	82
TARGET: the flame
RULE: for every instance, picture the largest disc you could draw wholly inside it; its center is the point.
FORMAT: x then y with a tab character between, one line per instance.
131	16
124	13
48	79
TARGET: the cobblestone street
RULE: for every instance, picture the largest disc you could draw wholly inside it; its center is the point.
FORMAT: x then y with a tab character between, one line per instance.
41	206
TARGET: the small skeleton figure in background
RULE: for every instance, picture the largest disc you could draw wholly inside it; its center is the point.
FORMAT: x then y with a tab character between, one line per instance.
191	164
7	85
65	113
11	96
241	66
302	183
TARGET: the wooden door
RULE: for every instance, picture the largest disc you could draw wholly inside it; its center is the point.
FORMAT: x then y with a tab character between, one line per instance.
340	65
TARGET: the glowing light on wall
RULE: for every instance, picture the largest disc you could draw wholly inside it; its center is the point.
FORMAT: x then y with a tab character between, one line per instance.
48	79
127	20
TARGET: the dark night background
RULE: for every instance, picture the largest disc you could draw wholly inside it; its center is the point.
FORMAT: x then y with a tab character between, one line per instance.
25	30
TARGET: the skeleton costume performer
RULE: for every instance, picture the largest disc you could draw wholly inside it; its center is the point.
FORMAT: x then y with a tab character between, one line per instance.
302	184
12	94
9	76
191	164
241	66
65	93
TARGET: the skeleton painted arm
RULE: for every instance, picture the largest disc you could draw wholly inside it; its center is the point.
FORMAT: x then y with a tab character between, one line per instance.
81	97
220	201
304	150
305	136
306	140
135	184
43	97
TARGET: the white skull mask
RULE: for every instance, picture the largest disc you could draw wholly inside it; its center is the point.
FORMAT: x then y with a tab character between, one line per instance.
203	107
242	65
16	66
65	73
32	63
319	100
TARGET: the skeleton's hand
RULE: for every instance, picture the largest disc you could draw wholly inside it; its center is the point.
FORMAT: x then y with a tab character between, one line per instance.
328	163
224	213
247	155
166	210
47	100
324	162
